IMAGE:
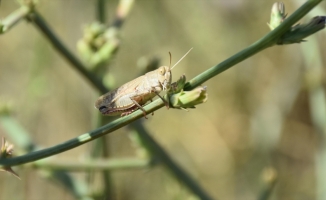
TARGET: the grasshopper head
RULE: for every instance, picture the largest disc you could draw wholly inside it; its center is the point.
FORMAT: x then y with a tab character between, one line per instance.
102	102
165	77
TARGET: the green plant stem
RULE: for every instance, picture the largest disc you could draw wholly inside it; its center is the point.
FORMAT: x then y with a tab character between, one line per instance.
98	164
101	143
157	104
266	193
38	20
22	140
84	138
166	160
101	11
122	12
267	41
14	18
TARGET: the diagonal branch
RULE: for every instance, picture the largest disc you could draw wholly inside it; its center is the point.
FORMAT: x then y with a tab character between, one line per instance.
37	19
166	160
267	41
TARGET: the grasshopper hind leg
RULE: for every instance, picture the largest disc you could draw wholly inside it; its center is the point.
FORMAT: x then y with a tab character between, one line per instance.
137	105
140	107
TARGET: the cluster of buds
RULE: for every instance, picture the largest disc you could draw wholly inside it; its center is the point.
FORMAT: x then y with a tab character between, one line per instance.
178	98
298	32
98	44
6	152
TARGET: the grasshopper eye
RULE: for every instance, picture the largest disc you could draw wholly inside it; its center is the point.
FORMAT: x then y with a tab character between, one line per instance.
102	108
162	70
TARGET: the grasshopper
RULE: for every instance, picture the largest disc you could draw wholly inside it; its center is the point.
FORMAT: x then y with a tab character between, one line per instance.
132	95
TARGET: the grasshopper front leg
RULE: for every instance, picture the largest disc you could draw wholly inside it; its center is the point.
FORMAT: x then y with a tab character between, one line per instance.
133	99
165	102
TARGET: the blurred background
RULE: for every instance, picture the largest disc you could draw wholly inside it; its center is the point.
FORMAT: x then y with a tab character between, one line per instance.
264	120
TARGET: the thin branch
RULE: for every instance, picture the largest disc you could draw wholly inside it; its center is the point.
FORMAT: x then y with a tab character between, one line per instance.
22	140
101	11
40	23
84	138
166	160
267	41
14	18
93	164
122	12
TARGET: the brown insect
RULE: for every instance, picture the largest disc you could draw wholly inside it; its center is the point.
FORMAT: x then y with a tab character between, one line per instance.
134	94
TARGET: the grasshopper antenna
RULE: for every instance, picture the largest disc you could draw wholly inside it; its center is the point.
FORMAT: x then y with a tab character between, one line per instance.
170	60
179	59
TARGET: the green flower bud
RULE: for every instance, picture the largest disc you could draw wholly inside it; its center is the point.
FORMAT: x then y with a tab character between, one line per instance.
6	149
92	31
6	152
98	45
188	99
176	87
277	15
84	49
301	31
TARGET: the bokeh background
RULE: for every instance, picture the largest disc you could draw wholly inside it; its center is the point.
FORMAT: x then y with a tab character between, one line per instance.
263	119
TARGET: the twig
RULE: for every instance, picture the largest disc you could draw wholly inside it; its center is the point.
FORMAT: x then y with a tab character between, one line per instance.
21	138
84	138
175	169
97	164
101	11
37	19
267	41
101	143
14	18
